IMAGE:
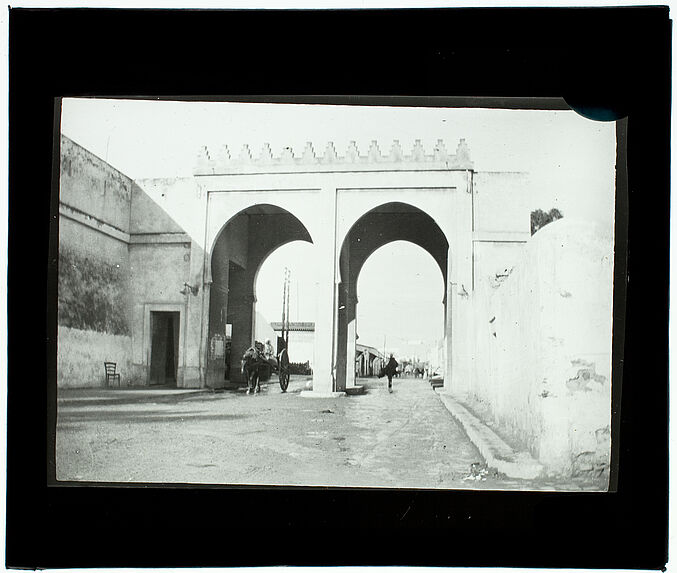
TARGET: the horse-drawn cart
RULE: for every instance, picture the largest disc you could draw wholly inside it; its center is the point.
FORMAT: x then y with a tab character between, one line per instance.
280	368
256	366
283	369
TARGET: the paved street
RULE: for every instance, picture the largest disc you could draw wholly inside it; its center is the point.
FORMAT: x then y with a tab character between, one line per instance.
404	439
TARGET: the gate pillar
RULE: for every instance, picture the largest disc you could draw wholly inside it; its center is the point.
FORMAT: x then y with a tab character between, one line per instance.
347	337
216	307
324	358
342	339
243	331
352	338
192	375
448	335
323	374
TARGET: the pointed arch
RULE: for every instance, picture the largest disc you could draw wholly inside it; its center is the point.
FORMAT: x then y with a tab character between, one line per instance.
240	247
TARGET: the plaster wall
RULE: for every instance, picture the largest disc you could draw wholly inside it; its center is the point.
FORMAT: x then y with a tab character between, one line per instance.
171	226
94	311
232	247
90	185
166	212
542	362
81	354
93	271
90	242
170	205
501	204
443	196
493	259
301	203
436	201
149	216
159	271
319	199
236	241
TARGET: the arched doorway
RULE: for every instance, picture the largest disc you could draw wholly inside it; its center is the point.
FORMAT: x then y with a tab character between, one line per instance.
242	245
286	302
394	221
400	290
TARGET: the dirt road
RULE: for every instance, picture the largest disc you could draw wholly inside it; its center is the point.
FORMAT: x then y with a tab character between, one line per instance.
378	439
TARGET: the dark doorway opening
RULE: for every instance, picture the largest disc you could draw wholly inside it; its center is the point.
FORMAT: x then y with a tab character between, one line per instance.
245	241
164	349
387	223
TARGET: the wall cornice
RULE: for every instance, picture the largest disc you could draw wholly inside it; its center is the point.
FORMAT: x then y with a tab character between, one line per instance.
100	226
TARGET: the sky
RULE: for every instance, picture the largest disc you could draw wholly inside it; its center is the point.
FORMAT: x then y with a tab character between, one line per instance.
567	156
402	312
570	161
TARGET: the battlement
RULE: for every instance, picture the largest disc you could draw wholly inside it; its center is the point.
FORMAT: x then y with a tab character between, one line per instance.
374	160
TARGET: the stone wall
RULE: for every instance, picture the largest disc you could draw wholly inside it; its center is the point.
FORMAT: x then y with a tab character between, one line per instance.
93	281
542	365
90	185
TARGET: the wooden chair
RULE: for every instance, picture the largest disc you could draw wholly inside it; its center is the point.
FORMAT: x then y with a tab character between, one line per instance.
110	373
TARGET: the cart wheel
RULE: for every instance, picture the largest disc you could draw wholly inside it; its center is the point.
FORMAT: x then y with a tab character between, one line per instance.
284	380
284	370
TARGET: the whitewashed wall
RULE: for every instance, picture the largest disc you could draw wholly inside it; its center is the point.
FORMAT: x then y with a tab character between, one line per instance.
542	360
81	354
263	330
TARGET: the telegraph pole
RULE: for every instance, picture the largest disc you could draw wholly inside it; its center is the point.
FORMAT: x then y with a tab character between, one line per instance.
288	279
284	304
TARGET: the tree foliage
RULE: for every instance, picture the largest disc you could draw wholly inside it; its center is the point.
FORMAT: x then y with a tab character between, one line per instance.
540	218
300	368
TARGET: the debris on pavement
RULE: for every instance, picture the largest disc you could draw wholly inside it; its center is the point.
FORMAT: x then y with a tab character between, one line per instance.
478	472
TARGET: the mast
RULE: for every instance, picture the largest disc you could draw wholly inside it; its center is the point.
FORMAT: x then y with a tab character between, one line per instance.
284	306
286	341
384	350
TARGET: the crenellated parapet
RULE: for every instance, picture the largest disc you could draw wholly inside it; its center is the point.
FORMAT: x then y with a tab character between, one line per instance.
221	161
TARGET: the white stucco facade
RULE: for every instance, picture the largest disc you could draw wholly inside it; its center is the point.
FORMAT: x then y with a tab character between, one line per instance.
328	195
193	247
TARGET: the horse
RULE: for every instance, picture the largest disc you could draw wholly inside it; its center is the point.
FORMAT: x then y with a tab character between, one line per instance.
251	363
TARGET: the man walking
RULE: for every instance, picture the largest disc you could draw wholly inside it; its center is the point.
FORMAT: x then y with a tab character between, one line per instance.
390	370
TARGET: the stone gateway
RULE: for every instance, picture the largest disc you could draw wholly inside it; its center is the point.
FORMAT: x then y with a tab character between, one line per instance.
156	274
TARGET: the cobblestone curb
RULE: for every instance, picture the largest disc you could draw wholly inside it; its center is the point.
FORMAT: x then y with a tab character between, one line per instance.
495	451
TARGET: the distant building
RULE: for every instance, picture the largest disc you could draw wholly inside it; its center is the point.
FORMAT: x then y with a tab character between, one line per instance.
301	340
368	360
435	356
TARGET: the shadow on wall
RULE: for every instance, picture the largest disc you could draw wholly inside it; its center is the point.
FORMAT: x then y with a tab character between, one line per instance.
120	248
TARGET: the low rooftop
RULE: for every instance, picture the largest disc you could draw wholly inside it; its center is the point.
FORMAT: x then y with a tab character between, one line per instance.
294	326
